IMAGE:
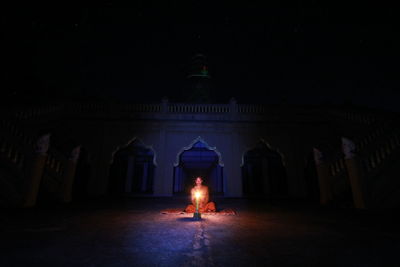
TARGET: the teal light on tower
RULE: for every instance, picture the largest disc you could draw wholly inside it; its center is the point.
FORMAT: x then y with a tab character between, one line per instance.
198	86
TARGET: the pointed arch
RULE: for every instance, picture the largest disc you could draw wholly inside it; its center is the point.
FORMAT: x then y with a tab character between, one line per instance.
263	171
135	141
262	142
198	159
132	169
191	145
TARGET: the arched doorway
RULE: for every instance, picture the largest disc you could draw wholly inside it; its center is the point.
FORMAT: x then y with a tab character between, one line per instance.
263	172
198	159
132	170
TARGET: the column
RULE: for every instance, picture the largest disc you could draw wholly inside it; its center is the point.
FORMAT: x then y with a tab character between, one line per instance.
145	176
324	178
232	170
357	182
35	172
182	177
249	178
163	177
178	179
69	175
219	178
176	170
129	174
265	176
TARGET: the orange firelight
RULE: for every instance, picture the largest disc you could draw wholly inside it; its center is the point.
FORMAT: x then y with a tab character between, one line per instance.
196	214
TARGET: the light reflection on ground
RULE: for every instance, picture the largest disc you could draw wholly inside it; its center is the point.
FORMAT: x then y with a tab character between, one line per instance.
175	238
136	234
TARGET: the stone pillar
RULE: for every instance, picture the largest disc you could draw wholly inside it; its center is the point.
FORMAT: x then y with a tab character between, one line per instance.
232	169
220	178
233	180
69	175
129	174
357	182
176	179
163	176
265	177
324	178
35	172
249	177
294	170
178	186
183	176
145	176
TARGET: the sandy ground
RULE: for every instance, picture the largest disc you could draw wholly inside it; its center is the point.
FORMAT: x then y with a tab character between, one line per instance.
134	233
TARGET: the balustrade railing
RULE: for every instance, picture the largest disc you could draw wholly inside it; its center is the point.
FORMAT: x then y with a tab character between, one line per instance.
107	109
256	109
12	153
339	180
376	154
354	116
37	112
17	149
15	144
375	150
103	108
197	108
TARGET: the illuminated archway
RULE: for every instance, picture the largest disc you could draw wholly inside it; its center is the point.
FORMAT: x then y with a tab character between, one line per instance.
198	159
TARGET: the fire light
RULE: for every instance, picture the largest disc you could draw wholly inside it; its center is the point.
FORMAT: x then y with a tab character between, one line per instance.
197	215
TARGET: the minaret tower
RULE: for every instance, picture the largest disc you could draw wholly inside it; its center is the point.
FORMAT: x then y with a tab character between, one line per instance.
198	86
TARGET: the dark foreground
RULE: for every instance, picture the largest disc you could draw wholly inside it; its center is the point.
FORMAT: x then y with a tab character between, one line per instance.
134	233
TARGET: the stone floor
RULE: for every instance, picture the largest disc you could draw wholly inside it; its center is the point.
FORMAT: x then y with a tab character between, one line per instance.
134	233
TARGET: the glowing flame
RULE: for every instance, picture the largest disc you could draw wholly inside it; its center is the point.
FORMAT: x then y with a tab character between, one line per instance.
197	194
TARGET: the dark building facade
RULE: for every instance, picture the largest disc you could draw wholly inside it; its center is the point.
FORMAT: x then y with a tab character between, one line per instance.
67	151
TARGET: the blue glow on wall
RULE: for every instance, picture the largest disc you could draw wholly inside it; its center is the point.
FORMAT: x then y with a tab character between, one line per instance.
198	161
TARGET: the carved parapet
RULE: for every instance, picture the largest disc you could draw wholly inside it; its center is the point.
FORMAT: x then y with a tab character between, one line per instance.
164	104
233	106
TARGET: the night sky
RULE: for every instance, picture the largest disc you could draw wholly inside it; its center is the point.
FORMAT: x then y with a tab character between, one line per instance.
304	52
